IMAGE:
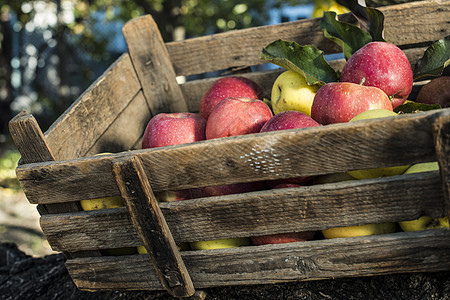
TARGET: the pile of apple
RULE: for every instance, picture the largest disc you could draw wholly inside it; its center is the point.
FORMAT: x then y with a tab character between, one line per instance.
375	80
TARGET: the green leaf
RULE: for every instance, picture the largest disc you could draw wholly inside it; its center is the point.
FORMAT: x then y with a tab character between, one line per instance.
349	37
306	60
370	19
413	107
435	59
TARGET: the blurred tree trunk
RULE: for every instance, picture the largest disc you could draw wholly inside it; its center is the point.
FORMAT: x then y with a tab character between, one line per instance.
6	96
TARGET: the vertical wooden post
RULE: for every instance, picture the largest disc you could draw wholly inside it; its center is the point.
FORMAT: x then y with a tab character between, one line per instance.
151	226
32	145
442	142
153	66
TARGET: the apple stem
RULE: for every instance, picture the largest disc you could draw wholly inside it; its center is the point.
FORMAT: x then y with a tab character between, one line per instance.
362	81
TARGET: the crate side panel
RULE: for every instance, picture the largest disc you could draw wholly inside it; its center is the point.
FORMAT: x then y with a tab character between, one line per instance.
406	24
125	132
350	203
423	251
399	140
78	129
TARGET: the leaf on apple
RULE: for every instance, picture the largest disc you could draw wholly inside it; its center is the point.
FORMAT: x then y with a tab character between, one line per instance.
306	60
369	19
414	107
435	59
349	37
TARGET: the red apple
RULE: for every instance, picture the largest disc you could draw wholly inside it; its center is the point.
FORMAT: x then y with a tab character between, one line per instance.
381	65
339	102
289	120
233	86
237	116
437	91
236	188
281	238
174	129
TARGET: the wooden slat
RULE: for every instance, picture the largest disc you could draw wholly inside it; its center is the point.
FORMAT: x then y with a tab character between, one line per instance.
405	24
151	226
125	132
77	130
361	256
275	211
153	66
400	140
32	145
442	137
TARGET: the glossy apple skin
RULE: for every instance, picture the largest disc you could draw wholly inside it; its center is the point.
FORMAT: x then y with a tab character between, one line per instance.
382	65
437	91
360	230
282	238
233	86
237	116
173	129
289	120
339	102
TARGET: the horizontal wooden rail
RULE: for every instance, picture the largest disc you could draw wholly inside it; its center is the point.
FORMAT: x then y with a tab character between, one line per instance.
399	140
344	257
306	208
405	24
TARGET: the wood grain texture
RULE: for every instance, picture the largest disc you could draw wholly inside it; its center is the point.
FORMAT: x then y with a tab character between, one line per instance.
305	208
126	131
405	24
153	66
442	137
399	140
344	257
151	227
81	125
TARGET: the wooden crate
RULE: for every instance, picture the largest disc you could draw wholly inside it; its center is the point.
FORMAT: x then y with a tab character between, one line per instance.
58	168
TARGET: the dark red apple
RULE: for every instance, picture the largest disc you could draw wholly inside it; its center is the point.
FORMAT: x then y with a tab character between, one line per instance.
282	238
233	86
237	116
381	65
173	129
339	102
437	91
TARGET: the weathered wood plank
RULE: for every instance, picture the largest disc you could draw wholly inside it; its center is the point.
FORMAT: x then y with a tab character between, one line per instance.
77	130
405	24
360	256
306	208
151	226
153	66
442	137
125	132
400	140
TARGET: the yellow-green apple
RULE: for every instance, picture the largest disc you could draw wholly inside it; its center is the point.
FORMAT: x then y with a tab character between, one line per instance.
359	230
381	65
376	172
424	222
220	243
232	86
291	92
437	91
237	116
289	120
339	102
180	246
102	203
282	238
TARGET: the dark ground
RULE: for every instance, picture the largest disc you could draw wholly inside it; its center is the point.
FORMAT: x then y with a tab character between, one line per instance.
46	278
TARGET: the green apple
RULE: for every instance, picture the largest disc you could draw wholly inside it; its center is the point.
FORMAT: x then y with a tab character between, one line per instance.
102	203
424	222
291	92
360	230
220	244
376	172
